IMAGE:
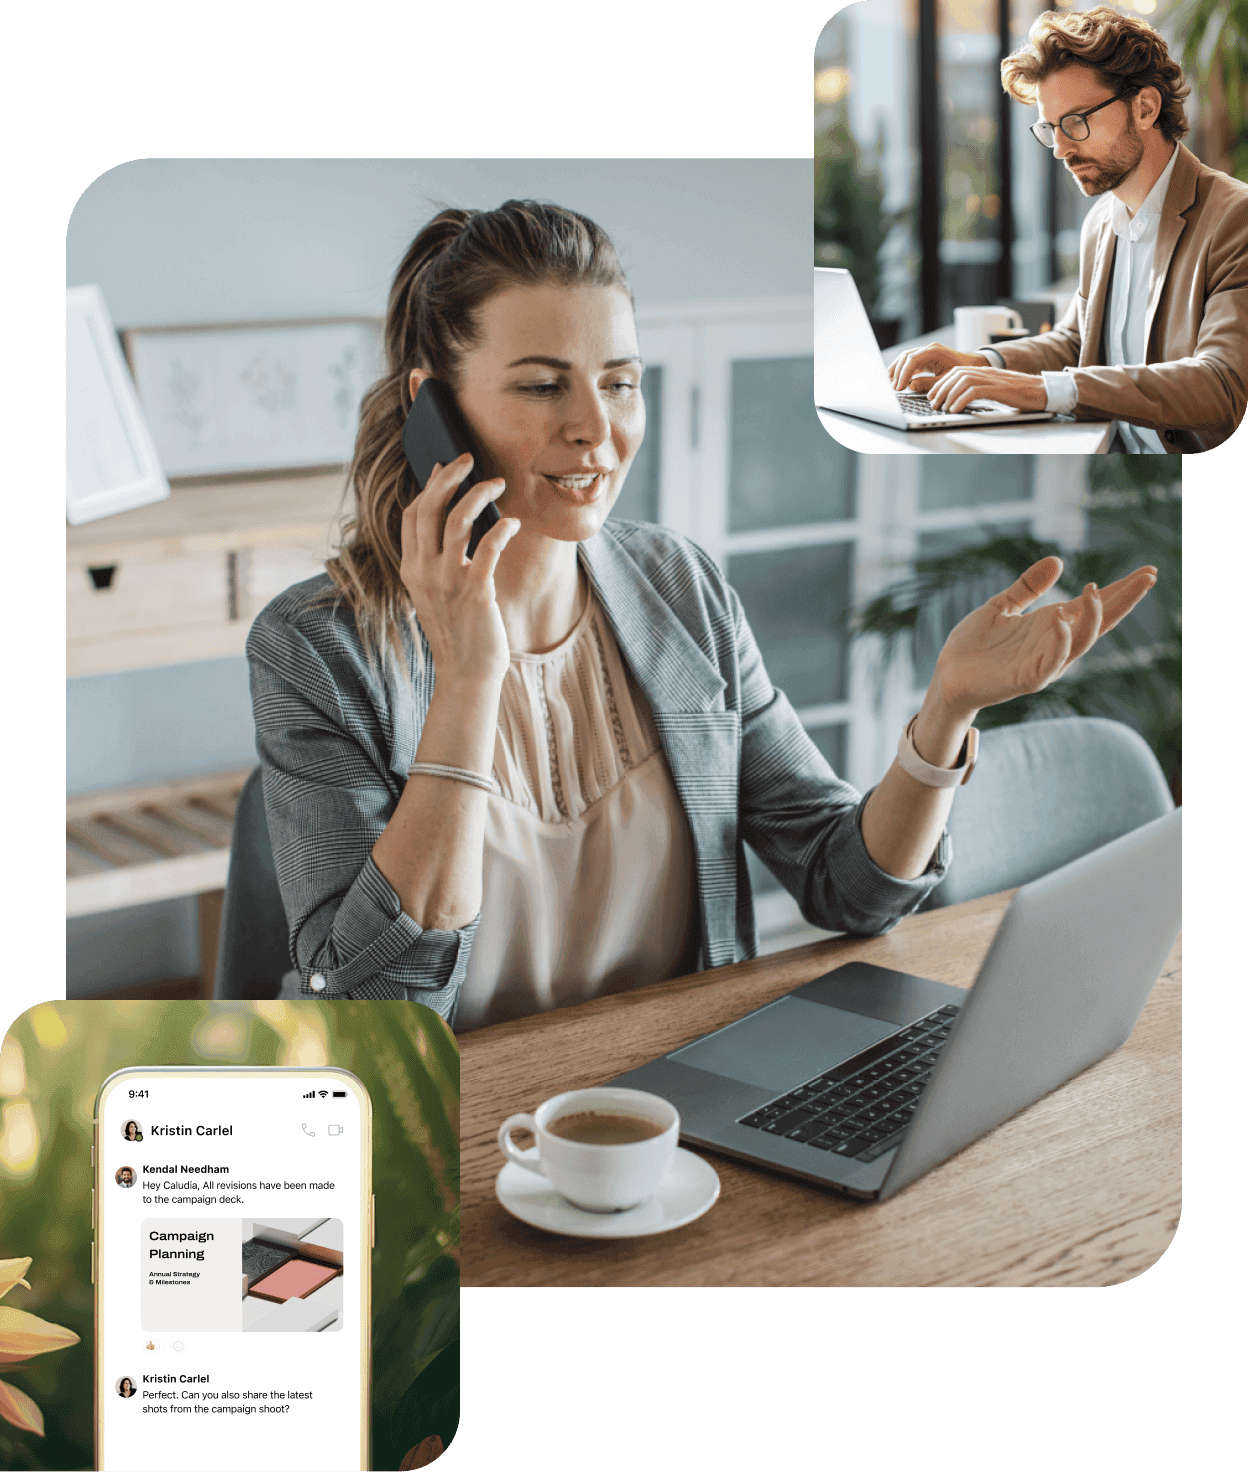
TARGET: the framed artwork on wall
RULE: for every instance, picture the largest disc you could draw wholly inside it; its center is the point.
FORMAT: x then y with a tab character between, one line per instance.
111	461
237	398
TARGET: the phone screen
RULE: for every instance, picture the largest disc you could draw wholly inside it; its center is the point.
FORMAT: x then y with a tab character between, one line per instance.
233	1231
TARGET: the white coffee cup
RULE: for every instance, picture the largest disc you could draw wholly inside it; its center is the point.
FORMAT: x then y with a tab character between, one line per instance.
973	326
597	1177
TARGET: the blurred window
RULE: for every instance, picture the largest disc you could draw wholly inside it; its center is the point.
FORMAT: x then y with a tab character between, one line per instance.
968	85
1000	217
797	600
866	176
639	500
779	470
981	480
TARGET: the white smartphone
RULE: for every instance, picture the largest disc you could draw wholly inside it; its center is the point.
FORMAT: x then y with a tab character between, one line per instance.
233	1221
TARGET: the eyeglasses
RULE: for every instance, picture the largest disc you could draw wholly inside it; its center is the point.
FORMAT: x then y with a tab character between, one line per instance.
1075	124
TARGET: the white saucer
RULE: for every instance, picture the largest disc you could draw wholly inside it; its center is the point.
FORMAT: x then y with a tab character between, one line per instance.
689	1189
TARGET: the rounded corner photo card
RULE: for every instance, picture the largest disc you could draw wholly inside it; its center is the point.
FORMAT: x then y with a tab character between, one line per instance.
1029	229
229	1235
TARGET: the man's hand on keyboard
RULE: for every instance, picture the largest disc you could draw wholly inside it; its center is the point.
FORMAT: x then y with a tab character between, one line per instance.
959	386
917	369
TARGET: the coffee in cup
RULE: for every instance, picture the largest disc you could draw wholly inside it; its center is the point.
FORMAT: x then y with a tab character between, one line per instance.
601	1127
602	1149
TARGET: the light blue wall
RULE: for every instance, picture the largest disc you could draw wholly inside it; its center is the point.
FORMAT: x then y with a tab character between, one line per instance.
149	725
230	240
172	241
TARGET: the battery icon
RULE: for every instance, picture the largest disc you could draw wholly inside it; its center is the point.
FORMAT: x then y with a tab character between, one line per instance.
340	1093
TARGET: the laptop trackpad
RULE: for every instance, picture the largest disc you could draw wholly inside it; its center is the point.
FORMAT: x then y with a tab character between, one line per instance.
785	1043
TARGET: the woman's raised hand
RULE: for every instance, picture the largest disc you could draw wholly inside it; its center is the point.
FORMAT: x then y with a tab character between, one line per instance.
452	595
1002	650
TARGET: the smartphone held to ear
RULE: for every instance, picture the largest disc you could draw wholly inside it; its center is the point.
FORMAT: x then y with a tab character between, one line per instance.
435	434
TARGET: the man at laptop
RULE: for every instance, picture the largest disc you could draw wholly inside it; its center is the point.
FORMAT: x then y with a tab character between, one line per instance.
1156	337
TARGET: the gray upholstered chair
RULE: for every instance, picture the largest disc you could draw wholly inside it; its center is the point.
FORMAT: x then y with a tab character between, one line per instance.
252	955
1044	793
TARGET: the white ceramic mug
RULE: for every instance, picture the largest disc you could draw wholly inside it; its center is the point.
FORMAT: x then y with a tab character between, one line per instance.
973	326
597	1177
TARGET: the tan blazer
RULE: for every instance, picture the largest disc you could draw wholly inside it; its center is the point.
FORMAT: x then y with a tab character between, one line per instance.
1192	386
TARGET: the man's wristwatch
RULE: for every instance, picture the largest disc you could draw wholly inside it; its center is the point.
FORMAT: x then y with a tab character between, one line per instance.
931	776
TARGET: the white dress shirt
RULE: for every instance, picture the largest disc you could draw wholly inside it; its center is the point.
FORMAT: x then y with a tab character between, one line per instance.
1128	307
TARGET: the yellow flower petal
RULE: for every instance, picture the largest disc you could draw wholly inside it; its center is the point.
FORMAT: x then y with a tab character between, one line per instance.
19	1410
12	1272
23	1335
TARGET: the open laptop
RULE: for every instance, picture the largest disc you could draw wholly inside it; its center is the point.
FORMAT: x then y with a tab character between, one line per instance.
850	376
865	1078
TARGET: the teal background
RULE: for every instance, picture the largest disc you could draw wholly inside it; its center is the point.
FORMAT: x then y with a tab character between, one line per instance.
1132	1377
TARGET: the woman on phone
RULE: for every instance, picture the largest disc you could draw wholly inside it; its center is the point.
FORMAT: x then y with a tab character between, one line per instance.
502	784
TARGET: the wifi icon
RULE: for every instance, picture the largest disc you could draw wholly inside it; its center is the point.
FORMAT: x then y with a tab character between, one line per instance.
323	1092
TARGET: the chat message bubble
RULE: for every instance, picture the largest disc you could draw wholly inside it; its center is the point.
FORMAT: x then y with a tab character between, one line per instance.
193	1397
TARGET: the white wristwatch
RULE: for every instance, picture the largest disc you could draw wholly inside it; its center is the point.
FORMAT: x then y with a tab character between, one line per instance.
931	776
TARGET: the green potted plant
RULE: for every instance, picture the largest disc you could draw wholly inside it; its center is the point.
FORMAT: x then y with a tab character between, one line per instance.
851	224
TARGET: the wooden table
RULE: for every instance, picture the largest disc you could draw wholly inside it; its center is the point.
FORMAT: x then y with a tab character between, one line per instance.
1082	1188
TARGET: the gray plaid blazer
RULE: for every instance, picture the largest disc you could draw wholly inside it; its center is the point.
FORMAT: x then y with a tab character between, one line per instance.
336	738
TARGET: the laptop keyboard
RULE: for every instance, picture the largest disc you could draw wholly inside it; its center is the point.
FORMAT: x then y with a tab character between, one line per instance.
861	1108
921	404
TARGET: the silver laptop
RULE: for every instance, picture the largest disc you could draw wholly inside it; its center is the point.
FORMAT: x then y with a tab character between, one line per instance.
850	376
865	1078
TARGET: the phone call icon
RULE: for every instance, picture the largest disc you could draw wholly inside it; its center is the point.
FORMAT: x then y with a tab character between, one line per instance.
307	1131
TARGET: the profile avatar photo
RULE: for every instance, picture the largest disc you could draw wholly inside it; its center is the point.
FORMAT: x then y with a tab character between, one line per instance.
125	1387
125	1176
132	1131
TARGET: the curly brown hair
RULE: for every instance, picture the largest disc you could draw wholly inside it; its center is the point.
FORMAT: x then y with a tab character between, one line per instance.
1126	53
459	261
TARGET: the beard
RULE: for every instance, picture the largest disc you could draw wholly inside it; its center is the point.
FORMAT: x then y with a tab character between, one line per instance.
1102	174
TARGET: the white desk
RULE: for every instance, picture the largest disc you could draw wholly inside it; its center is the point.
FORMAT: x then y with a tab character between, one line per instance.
1036	437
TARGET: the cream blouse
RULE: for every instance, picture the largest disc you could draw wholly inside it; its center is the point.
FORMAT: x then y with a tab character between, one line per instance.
588	883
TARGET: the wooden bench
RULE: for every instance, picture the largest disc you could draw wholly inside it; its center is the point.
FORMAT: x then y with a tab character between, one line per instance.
136	845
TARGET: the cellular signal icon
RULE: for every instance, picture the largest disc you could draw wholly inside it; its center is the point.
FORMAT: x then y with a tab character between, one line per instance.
311	1094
